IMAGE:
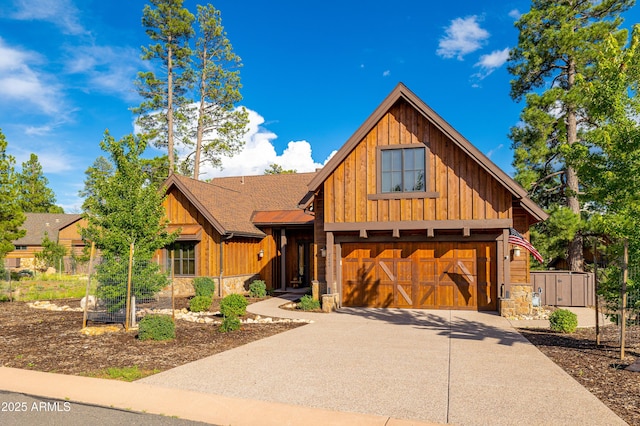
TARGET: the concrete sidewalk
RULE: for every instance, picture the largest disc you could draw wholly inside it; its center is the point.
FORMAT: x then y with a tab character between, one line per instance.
183	404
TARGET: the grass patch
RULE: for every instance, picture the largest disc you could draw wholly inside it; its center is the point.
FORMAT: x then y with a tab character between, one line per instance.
44	287
126	374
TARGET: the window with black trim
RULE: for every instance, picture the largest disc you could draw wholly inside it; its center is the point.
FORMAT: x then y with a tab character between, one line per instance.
184	260
402	170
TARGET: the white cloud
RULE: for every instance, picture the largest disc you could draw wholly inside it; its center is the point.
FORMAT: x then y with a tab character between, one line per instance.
489	63
62	13
462	37
107	69
259	152
39	130
53	159
386	73
19	81
515	14
494	150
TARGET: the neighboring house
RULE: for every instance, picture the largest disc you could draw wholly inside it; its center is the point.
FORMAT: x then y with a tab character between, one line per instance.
61	228
408	213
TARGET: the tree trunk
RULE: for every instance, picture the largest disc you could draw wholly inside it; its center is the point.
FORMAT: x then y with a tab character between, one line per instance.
170	108
200	129
575	256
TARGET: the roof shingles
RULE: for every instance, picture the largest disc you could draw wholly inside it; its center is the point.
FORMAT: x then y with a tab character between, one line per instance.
230	202
37	224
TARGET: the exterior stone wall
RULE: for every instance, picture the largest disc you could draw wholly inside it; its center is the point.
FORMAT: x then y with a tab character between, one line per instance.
237	284
519	301
183	287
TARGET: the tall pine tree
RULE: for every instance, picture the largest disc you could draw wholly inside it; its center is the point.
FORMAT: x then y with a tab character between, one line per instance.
11	216
35	196
220	126
161	115
557	46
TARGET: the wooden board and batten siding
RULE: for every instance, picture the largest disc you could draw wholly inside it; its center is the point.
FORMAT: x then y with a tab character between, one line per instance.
458	188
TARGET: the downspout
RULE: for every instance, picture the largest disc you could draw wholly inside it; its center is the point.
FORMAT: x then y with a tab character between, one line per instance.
223	238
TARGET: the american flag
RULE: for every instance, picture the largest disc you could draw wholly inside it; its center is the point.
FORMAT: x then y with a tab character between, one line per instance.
516	238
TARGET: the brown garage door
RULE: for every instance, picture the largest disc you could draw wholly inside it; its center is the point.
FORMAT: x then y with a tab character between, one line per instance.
420	275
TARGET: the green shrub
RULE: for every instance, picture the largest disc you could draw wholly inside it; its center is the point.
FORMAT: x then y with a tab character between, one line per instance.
200	303
231	323
156	327
233	305
563	321
204	286
308	304
258	288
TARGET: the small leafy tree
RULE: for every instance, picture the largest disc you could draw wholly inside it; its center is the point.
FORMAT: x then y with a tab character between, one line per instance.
52	253
125	208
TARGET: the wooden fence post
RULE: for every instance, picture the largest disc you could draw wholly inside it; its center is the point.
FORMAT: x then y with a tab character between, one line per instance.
595	289
623	297
86	293
173	300
127	305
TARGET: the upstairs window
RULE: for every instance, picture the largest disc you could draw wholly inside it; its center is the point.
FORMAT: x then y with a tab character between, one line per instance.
402	170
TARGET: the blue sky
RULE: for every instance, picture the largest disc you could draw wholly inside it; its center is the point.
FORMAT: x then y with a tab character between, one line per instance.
313	72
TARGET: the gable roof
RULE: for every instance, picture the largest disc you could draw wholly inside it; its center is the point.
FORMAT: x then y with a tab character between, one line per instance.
229	203
401	92
37	224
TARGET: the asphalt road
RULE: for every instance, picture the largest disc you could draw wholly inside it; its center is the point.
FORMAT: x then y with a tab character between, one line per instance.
25	410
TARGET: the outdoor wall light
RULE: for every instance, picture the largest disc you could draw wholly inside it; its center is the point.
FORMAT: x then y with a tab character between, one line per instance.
323	252
516	252
260	254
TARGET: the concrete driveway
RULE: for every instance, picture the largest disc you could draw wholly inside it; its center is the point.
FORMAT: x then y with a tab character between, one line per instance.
459	367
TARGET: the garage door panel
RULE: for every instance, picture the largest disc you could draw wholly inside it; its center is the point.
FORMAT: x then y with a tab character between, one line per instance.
464	291
361	282
427	295
446	275
445	295
427	283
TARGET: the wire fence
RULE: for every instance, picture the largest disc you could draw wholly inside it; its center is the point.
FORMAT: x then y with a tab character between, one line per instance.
633	296
6	286
123	292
